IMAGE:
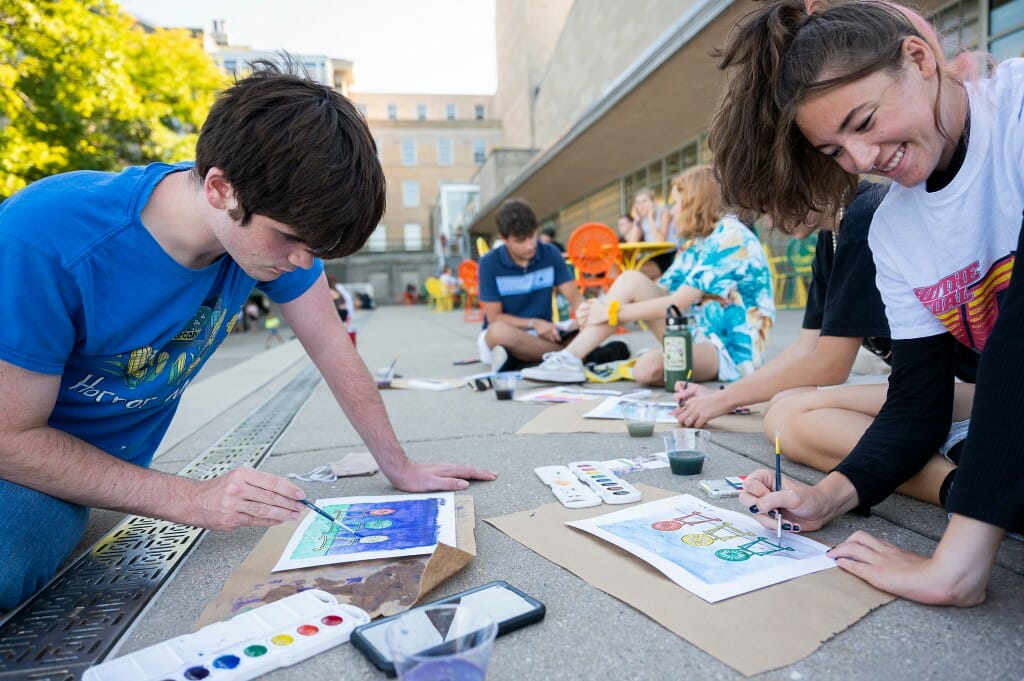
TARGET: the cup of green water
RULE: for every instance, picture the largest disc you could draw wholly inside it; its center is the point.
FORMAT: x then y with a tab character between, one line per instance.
442	642
686	449
640	418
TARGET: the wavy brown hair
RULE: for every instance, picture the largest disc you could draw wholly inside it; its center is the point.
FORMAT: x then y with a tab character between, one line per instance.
777	57
298	152
700	201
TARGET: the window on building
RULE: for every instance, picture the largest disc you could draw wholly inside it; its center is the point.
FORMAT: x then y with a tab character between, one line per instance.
449	112
408	152
410	193
479	151
378	241
421	112
231	66
1006	27
413	236
392	112
364	110
479	112
444	152
958	25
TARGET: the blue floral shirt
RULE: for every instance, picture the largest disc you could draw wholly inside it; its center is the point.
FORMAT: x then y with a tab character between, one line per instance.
738	307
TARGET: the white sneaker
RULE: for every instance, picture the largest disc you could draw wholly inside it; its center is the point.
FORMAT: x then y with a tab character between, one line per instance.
557	367
499	355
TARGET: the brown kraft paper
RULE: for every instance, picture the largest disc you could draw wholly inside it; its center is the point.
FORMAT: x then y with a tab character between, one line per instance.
822	604
380	587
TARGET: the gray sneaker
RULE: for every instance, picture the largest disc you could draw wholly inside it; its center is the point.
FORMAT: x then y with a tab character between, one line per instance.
557	367
499	356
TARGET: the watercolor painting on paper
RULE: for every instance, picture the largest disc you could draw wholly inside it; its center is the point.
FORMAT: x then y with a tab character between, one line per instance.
712	552
371	527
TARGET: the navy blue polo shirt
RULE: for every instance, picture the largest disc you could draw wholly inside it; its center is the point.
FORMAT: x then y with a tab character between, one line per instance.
522	291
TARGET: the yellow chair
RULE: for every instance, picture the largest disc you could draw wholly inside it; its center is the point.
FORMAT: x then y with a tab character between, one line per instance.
789	280
439	298
481	246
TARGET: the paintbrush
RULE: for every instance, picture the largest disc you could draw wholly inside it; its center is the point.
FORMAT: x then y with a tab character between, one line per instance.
778	487
316	509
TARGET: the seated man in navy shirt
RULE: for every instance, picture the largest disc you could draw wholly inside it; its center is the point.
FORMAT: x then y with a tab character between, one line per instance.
516	283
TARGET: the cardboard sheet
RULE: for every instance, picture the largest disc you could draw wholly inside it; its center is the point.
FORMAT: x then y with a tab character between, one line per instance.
380	587
568	418
817	606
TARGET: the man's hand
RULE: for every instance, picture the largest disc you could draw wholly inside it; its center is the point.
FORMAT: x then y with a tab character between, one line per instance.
546	330
436	476
697	405
802	507
244	497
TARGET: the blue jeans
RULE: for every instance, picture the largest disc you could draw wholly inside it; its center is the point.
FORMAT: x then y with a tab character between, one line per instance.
37	532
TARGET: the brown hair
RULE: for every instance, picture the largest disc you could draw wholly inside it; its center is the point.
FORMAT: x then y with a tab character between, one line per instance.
515	218
298	152
779	55
700	201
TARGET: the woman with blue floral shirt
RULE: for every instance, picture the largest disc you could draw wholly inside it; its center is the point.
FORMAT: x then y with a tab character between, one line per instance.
720	270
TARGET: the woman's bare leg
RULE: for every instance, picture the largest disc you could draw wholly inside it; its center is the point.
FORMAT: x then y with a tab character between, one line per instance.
819	428
628	287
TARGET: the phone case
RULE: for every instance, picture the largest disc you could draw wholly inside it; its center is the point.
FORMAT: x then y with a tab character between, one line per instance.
718	489
361	643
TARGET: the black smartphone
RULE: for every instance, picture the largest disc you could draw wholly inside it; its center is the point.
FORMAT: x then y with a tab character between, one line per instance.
505	604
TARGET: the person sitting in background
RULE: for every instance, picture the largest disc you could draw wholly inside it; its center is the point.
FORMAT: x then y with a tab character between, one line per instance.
547	236
449	282
654	223
341	298
516	285
627	230
722	270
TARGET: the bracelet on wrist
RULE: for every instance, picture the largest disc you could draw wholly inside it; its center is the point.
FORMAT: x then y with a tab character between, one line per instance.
613	313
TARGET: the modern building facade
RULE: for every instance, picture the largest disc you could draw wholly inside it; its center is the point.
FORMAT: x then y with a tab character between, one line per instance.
626	94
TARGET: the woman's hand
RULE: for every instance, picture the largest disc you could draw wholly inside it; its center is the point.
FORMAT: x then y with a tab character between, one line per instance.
697	405
802	507
592	312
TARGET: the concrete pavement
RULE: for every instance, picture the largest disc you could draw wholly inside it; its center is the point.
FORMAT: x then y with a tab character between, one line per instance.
586	634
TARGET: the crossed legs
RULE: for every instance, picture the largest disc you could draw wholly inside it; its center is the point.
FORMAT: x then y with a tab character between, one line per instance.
822	426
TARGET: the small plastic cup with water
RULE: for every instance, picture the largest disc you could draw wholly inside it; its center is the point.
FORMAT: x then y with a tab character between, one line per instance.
505	385
442	642
640	418
686	449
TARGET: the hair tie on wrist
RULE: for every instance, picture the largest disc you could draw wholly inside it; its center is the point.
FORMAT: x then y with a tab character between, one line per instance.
613	313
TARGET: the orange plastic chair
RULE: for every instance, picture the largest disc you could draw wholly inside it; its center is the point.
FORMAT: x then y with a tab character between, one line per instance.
469	273
593	249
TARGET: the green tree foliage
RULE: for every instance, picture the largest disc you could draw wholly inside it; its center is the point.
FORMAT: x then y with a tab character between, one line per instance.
82	86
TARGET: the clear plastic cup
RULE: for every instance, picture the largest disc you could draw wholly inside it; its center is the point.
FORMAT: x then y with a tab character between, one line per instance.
640	418
504	386
442	642
686	449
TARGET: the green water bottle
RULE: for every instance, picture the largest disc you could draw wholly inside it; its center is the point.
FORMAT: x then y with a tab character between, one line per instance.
677	348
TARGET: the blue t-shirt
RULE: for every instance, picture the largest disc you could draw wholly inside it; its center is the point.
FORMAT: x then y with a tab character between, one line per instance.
522	291
89	294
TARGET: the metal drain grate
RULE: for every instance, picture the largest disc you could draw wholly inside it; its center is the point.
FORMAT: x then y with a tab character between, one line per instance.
79	617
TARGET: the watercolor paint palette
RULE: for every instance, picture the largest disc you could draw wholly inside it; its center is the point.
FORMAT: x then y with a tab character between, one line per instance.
244	647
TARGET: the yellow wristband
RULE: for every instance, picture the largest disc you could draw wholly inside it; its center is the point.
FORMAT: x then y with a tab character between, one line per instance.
613	313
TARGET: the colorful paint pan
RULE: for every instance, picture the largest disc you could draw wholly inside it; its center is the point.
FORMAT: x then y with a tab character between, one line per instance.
244	647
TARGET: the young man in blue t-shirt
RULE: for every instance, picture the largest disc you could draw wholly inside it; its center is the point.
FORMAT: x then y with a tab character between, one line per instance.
133	280
516	285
